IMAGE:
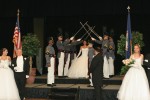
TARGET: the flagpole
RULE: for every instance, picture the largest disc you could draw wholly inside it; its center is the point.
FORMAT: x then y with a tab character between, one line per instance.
18	21
131	33
18	11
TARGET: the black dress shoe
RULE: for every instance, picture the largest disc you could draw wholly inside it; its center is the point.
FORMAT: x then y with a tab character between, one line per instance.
111	76
105	78
50	85
89	86
60	76
53	84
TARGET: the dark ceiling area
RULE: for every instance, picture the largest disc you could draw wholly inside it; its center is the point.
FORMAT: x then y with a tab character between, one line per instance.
40	8
68	13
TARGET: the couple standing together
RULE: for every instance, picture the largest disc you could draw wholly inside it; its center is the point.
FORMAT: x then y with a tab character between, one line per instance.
79	66
13	74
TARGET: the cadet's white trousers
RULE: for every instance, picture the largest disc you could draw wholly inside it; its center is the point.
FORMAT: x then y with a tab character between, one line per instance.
51	69
67	65
91	83
106	68
111	66
61	64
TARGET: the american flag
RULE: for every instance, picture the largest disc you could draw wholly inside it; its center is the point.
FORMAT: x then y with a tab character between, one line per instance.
17	36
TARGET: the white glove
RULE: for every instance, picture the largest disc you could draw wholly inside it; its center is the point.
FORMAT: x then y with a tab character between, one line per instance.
146	60
93	39
79	54
90	74
27	76
79	40
72	38
16	68
100	37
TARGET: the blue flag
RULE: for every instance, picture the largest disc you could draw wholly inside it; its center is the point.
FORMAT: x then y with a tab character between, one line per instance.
128	38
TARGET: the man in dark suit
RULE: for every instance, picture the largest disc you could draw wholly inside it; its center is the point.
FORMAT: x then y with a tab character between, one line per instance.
20	65
147	64
96	69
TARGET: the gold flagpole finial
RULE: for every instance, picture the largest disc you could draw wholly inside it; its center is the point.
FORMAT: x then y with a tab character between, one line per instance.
128	8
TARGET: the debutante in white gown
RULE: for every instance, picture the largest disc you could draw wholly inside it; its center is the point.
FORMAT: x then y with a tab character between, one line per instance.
79	67
8	87
135	83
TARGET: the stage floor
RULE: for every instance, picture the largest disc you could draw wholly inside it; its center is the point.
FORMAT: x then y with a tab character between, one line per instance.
116	77
40	89
115	80
86	93
82	86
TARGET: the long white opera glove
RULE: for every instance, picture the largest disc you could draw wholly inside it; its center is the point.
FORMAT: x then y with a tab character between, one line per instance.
27	76
79	40
72	38
79	54
9	63
146	60
100	38
93	39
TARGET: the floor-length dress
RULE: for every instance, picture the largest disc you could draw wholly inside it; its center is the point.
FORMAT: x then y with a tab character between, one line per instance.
135	83
8	87
79	67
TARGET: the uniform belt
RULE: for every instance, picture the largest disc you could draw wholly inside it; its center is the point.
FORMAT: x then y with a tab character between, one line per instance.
50	55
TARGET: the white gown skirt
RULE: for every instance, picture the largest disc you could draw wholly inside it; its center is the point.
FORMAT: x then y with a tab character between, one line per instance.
135	85
8	88
79	68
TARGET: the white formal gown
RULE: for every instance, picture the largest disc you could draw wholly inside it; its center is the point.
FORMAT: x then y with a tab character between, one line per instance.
8	87
79	66
135	83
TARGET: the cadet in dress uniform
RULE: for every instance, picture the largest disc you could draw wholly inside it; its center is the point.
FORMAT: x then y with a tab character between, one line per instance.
90	55
67	55
70	52
91	52
111	56
50	62
61	55
105	45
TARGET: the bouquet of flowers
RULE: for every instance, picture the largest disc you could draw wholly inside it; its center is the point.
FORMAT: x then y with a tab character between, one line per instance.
127	64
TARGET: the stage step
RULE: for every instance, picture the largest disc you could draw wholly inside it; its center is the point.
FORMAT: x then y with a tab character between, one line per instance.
64	93
116	80
85	93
